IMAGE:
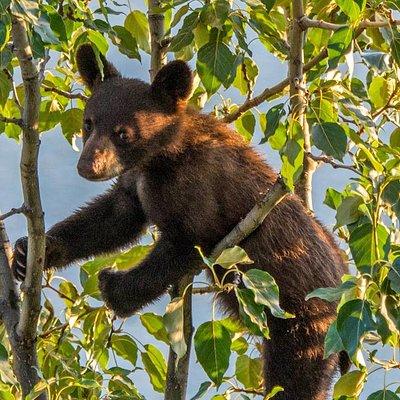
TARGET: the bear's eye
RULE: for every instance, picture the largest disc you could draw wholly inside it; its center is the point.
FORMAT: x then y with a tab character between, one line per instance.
88	126
123	134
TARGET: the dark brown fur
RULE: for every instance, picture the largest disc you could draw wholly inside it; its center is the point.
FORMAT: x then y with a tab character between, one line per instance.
194	178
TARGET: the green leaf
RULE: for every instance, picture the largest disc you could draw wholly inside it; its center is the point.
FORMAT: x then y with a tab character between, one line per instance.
6	395
273	116
252	313
240	345
4	34
126	43
155	366
246	75
352	8
125	347
349	385
214	63
5	88
384	394
37	390
353	321
265	290
212	343
269	4
137	24
331	293
246	124
3	353
174	323
70	292
348	211
71	123
377	60
185	35
44	30
333	342
395	44
395	138
249	371
275	390
293	154
331	139
232	256
155	326
98	40
5	58
362	247
57	24
391	195
379	91
202	391
4	4
338	44
179	14
394	275
333	198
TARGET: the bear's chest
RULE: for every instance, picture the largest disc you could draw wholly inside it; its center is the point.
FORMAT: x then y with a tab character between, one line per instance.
155	200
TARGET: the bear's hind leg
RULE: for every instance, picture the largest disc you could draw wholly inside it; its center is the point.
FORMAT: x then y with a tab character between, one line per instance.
294	359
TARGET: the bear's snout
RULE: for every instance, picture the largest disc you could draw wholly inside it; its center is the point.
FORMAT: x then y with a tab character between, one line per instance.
99	160
86	170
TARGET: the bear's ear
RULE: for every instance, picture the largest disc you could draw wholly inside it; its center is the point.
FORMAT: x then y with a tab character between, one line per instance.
89	69
174	81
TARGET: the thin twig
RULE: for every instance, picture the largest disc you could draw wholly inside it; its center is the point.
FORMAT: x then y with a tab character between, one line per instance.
66	324
15	121
205	290
62	295
307	22
68	95
14	90
42	65
334	164
248	83
14	211
235	389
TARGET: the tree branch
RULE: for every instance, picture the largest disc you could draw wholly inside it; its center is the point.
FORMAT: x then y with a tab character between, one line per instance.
298	100
14	211
23	336
68	95
178	371
253	219
158	48
306	22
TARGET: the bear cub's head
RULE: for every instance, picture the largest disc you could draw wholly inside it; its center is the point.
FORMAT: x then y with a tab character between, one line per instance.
126	120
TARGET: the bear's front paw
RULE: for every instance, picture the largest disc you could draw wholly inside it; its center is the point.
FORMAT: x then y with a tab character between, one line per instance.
113	287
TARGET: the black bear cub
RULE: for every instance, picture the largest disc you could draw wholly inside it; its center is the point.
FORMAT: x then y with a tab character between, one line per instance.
195	179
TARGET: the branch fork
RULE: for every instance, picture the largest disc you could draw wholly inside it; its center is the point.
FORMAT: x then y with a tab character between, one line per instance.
20	210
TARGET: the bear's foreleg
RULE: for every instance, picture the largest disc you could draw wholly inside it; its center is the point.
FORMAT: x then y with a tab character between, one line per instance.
106	224
128	291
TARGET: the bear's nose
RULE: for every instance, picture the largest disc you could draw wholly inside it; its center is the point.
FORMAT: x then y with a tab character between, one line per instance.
85	169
